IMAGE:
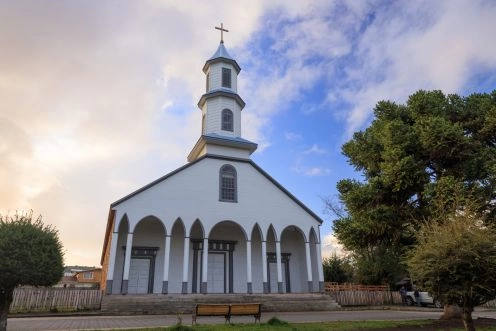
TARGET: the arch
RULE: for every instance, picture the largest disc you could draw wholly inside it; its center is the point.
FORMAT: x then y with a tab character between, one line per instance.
314	257
227	120
179	222
293	242
123	230
228	184
271	230
148	219
228	223
147	256
312	234
123	224
177	239
295	229
227	267
197	230
256	227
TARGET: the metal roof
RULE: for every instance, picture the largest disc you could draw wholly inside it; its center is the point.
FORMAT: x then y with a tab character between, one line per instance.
221	55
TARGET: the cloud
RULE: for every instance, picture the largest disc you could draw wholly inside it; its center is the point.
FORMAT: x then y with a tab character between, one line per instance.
316	171
315	149
418	45
292	136
92	91
330	246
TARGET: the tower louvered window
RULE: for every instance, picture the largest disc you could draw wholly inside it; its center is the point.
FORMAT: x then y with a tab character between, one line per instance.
226	77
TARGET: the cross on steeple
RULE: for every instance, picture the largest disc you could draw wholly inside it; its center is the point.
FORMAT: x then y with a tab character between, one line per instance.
221	32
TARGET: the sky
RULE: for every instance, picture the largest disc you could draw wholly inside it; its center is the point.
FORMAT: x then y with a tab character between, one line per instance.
98	98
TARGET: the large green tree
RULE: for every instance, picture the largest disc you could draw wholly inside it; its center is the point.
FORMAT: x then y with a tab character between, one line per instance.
411	158
30	254
337	269
455	259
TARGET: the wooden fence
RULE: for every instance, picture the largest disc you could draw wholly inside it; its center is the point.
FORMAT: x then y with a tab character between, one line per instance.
362	295
366	295
491	304
55	299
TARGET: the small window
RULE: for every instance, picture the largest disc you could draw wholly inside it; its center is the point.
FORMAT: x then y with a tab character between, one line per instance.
208	82
88	275
226	77
228	189
227	120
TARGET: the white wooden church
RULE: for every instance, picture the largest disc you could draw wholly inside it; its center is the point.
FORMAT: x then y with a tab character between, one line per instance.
218	224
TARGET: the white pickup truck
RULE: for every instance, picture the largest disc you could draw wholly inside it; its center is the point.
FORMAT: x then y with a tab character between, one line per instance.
425	299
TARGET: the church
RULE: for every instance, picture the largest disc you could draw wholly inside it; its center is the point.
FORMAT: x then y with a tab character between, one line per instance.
218	224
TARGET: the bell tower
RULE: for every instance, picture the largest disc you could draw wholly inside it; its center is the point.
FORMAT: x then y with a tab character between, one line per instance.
221	108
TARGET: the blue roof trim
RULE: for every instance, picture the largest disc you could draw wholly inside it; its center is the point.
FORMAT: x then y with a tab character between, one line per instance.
221	92
234	139
221	140
219	157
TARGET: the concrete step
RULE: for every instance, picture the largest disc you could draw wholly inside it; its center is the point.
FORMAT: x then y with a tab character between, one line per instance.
184	304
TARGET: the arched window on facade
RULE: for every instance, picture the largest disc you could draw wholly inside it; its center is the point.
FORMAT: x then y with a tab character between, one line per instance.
228	184
227	120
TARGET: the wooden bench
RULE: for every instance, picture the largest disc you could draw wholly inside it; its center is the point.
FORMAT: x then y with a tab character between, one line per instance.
204	309
245	309
226	310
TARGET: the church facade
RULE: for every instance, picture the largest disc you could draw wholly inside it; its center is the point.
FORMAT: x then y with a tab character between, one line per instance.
220	223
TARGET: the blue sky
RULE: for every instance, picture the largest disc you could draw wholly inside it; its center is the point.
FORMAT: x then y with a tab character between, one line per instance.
99	97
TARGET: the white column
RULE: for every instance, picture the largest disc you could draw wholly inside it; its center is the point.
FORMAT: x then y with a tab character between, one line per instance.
279	267
264	267
127	262
248	267
165	282
204	283
320	267
185	265
309	266
111	265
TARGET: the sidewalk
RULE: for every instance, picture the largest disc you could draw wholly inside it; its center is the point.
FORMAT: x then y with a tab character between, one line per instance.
139	321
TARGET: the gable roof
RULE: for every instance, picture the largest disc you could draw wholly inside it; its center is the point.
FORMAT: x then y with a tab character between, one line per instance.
219	157
111	214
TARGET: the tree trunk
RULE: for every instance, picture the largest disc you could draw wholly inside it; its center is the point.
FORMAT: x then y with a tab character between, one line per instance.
468	322
5	301
451	312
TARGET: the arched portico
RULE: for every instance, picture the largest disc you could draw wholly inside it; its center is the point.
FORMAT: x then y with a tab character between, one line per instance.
223	268
258	260
293	259
143	256
119	238
276	276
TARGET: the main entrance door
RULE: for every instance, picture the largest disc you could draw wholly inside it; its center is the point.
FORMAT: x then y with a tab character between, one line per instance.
139	276
216	273
220	266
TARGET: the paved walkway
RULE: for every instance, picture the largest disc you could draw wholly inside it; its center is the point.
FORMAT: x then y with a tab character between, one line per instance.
122	322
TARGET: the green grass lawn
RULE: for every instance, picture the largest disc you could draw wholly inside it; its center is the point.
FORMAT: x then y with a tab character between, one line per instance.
277	325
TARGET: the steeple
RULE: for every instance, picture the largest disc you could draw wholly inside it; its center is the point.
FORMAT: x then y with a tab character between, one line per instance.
221	109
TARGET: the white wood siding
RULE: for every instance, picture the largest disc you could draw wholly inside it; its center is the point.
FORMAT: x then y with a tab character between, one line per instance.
198	186
216	76
199	183
213	110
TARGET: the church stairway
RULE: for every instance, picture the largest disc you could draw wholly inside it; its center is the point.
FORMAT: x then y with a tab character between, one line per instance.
184	304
